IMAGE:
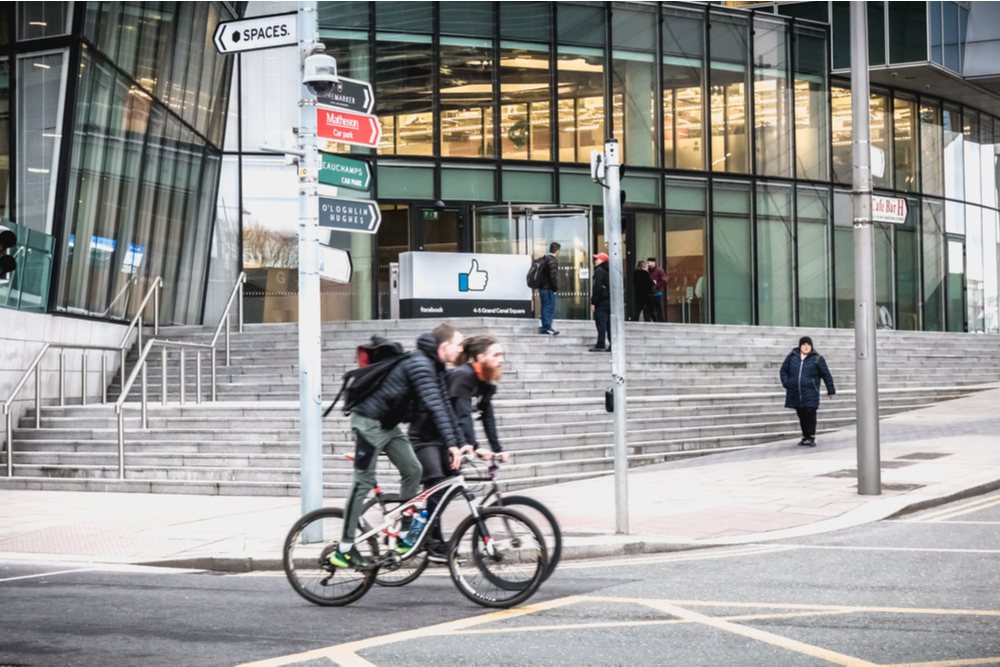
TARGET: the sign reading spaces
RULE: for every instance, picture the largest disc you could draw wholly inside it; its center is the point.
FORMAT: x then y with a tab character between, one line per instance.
260	32
344	172
358	129
888	209
446	284
349	215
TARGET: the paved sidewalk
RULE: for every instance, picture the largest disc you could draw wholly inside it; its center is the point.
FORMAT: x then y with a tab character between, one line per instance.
929	456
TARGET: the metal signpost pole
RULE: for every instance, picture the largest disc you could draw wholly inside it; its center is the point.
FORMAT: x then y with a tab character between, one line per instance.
310	347
613	235
869	465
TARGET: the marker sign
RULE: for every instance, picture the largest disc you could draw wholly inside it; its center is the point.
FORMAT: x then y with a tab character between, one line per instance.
260	32
357	129
352	95
888	209
343	172
349	215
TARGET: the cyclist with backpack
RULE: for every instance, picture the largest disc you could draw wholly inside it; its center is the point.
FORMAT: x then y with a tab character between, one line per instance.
414	386
544	276
474	379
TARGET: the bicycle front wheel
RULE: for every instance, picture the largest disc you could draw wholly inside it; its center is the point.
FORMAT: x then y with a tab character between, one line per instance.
497	559
541	516
396	572
308	546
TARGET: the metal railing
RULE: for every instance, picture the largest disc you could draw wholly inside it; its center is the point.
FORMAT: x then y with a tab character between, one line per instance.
136	323
237	289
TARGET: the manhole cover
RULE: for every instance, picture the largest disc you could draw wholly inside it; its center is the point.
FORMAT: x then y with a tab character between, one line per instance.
923	456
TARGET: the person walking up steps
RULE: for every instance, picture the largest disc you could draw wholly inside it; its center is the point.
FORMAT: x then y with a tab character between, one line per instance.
600	302
800	376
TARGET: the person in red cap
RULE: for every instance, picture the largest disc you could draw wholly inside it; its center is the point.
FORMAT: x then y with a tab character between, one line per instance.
600	302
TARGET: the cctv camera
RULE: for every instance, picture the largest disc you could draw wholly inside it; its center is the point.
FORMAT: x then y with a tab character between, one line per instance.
320	74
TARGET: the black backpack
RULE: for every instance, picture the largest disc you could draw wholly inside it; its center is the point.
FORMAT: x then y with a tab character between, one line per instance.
375	361
535	273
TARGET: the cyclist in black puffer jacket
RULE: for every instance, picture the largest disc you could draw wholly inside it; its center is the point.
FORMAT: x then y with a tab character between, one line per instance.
414	387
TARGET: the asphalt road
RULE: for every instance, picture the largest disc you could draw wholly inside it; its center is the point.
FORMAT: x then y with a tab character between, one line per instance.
918	590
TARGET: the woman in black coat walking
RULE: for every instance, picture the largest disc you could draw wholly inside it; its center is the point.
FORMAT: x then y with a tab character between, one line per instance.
800	375
642	285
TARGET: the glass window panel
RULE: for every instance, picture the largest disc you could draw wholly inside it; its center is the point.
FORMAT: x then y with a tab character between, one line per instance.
404	103
635	30
39	136
151	23
812	114
934	276
841	30
970	132
641	189
683	91
955	310
954	215
843	260
225	250
991	271
527	186
468	184
884	283
987	173
581	24
732	272
775	292
843	135
343	14
405	182
581	103
931	149
908	271
907	32
108	29
813	249
525	114
811	11
688	195
996	159
467	98
5	139
526	20
36	20
772	116
975	296
729	85
963	31
687	293
954	154
163	56
413	16
934	10
467	18
952	57
579	189
876	33
634	86
906	161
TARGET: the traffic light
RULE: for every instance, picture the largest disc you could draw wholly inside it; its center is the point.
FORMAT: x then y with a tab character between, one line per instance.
8	240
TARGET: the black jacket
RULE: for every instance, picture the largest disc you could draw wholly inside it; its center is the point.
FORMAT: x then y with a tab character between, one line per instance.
642	283
601	289
801	379
550	273
415	387
464	386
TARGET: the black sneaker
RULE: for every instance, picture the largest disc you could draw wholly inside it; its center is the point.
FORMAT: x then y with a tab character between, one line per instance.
598	349
437	552
804	442
810	442
352	559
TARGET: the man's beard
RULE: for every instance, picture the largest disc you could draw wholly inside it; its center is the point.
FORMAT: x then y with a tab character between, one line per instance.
491	372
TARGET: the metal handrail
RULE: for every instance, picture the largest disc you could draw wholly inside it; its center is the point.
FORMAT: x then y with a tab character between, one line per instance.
237	289
154	290
128	283
35	367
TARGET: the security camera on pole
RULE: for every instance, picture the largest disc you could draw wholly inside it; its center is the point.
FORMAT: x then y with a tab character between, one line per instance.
605	169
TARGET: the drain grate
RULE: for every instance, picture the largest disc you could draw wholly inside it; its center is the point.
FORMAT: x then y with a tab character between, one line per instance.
853	472
924	456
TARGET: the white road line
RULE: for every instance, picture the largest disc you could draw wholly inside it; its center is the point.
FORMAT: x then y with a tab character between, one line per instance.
46	574
914	549
970	523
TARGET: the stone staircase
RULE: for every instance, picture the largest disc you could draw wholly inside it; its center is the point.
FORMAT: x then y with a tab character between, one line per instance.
693	390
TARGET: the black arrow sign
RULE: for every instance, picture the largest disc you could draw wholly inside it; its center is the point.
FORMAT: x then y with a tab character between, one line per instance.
352	94
349	215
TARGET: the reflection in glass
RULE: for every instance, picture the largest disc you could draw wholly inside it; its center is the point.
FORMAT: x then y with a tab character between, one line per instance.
906	162
687	292
931	150
970	133
728	80
467	98
884	283
683	91
987	171
908	269
525	118
974	289
812	114
843	157
933	244
5	139
813	246
732	265
633	82
991	272
393	238
404	103
843	260
954	153
36	20
39	136
581	103
775	292
772	135
956	286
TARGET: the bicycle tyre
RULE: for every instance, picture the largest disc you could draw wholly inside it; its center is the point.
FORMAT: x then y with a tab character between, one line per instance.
406	571
518	564
551	532
308	571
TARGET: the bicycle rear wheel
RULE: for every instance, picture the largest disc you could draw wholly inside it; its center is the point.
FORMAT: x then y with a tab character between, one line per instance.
497	560
395	572
307	547
541	516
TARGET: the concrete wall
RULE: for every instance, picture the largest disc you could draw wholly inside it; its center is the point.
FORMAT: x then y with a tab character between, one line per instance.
22	336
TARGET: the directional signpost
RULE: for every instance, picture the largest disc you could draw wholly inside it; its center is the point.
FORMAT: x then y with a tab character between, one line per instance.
358	129
349	215
261	32
343	172
352	95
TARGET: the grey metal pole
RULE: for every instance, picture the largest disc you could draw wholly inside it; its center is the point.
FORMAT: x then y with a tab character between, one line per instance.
613	236
38	395
865	362
121	443
104	378
214	395
145	398
10	444
197	373
138	333
156	308
62	378
310	345
83	379
182	377
239	305
163	375
227	337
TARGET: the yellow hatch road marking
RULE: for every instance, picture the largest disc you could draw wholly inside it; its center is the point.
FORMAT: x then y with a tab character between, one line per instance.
346	655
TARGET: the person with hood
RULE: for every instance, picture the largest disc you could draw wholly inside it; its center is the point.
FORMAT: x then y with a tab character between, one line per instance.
416	386
471	386
600	302
800	376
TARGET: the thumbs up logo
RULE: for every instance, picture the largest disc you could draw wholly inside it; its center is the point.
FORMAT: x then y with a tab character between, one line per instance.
473	281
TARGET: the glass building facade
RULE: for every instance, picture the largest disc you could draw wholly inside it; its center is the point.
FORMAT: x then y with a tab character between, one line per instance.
112	117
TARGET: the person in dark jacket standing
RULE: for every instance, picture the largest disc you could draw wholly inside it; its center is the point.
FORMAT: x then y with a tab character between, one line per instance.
659	277
642	287
471	387
414	387
600	302
547	289
800	375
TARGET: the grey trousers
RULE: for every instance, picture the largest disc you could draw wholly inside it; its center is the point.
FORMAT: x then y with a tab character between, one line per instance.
370	440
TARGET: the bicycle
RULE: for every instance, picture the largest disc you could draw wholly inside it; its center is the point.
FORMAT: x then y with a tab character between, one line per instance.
507	550
532	509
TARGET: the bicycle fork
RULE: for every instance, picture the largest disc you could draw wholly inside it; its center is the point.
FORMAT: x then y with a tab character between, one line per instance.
481	524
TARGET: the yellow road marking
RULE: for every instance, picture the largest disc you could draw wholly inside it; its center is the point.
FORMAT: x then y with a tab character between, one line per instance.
761	635
934	515
950	663
963	512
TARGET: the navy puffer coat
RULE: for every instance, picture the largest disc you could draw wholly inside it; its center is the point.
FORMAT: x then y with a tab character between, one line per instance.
800	378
